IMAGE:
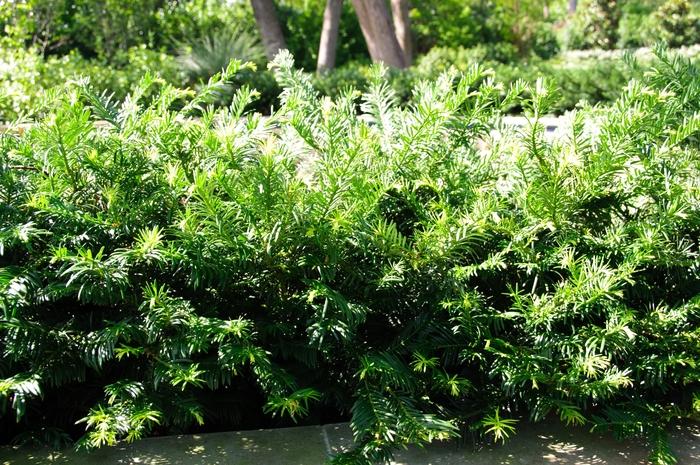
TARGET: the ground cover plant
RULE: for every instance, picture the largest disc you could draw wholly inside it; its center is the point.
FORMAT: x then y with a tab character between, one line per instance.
421	270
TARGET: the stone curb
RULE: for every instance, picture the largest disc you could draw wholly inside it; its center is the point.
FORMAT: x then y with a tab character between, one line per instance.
544	443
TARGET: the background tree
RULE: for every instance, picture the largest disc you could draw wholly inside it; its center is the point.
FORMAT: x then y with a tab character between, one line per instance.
572	6
400	10
329	35
269	26
378	31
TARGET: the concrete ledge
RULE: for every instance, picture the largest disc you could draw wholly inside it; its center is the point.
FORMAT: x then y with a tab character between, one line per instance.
547	443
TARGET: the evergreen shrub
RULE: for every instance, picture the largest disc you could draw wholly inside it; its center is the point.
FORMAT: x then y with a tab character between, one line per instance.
421	269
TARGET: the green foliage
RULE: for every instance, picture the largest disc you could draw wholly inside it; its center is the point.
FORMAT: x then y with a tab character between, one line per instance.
419	268
675	24
462	58
27	76
593	78
203	57
499	24
590	76
185	20
95	28
595	25
500	428
107	28
38	23
301	22
646	22
636	23
545	43
471	23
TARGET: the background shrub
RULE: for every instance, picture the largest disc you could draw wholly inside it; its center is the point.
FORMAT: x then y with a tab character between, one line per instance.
637	22
26	75
471	23
545	43
675	24
595	25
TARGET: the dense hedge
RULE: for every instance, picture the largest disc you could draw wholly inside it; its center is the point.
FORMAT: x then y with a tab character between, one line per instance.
582	76
422	270
593	77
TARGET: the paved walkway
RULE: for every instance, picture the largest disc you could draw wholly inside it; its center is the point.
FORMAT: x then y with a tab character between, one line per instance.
549	444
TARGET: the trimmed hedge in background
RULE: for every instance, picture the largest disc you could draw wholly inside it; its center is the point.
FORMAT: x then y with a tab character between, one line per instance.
589	76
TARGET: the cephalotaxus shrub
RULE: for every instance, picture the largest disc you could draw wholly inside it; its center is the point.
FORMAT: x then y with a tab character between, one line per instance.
422	269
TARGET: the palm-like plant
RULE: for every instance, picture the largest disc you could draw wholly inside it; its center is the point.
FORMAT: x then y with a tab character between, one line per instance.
205	56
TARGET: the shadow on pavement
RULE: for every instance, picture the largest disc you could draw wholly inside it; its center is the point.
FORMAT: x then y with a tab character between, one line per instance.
545	443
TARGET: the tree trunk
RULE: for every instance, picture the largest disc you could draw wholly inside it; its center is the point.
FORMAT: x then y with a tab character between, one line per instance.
270	30
402	25
329	35
572	6
378	31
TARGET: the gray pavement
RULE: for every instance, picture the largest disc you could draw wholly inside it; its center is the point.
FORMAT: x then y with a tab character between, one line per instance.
547	443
